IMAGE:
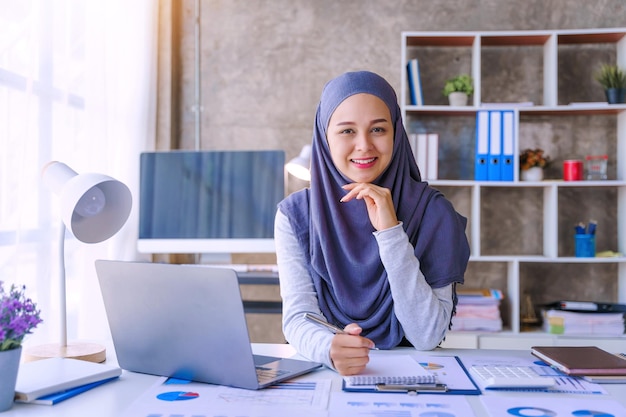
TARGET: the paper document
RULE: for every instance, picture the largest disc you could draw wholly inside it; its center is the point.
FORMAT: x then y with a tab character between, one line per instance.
498	406
401	405
187	399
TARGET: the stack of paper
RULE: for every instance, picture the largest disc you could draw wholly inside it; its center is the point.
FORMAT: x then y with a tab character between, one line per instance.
51	380
569	322
478	310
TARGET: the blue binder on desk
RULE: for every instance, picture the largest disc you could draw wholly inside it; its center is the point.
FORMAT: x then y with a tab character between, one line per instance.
508	145
495	146
482	145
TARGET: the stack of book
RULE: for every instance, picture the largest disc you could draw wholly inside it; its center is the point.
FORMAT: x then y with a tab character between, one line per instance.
52	380
478	310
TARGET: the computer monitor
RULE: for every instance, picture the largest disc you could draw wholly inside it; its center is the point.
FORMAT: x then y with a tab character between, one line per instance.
209	201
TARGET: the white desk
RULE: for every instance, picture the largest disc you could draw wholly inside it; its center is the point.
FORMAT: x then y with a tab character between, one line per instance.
111	399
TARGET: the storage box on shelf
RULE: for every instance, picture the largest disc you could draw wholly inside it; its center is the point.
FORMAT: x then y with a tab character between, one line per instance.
522	232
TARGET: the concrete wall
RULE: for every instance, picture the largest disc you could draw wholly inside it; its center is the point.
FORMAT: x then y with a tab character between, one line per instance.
263	64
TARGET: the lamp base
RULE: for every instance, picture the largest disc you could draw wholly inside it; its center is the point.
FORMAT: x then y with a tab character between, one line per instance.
90	352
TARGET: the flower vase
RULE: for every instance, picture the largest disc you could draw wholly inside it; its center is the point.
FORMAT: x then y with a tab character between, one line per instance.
9	365
457	99
532	174
615	95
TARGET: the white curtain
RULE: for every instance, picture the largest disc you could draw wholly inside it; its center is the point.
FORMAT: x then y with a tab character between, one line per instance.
78	85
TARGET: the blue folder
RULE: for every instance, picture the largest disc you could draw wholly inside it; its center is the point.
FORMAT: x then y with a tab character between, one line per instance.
482	145
495	146
508	145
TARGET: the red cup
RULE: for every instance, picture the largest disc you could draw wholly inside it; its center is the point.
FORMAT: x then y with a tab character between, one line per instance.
573	170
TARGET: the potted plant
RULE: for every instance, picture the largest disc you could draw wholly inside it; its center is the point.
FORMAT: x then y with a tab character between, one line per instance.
613	79
458	89
18	317
531	163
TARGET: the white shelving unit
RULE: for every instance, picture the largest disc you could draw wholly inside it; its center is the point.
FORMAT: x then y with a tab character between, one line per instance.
474	44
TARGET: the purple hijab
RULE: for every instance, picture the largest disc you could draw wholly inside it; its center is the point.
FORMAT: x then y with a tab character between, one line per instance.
344	261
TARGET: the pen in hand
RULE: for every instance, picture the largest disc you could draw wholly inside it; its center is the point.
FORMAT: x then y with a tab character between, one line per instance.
329	326
318	321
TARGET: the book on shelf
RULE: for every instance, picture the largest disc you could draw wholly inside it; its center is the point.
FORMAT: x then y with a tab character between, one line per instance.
478	309
581	360
587	306
425	147
54	375
432	158
415	82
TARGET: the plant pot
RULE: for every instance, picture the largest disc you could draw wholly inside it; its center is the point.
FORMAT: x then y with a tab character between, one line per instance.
457	99
532	174
9	365
615	95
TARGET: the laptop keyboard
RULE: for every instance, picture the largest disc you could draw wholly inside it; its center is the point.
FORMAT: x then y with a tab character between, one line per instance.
268	374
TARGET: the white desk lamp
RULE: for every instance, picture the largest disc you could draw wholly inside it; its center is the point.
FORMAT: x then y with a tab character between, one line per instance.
94	207
300	166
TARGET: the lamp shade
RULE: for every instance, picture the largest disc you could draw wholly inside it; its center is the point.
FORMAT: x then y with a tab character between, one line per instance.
94	207
300	166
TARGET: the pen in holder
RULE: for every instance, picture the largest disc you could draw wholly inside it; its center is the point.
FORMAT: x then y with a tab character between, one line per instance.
585	241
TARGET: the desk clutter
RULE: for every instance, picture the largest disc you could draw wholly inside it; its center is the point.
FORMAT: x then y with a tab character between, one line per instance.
313	396
324	393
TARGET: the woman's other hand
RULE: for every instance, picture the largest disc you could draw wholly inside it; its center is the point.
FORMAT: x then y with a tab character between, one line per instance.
350	352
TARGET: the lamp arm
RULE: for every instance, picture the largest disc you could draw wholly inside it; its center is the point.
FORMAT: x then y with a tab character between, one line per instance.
62	294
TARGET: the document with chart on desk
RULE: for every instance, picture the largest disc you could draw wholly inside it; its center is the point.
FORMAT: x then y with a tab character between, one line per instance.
400	405
193	399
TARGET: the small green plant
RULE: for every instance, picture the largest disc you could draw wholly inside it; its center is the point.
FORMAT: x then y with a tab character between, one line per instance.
611	76
462	83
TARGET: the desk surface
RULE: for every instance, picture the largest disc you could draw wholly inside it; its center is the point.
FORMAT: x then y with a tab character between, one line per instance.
113	398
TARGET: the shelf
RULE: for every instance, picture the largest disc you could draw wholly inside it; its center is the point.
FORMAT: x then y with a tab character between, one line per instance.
547	259
527	184
528	67
566	110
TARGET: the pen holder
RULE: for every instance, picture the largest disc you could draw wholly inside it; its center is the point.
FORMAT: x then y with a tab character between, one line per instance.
585	245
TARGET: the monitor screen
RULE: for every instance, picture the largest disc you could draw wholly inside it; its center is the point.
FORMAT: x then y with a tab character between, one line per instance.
209	201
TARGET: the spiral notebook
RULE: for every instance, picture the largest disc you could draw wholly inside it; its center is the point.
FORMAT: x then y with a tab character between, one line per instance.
390	370
408	373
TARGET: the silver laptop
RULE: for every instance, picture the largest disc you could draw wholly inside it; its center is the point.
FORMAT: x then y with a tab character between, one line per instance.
187	322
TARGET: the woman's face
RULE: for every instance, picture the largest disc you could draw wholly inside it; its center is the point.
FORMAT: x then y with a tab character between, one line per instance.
360	137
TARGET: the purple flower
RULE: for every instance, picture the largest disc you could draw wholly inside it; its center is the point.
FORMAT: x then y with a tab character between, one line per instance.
18	316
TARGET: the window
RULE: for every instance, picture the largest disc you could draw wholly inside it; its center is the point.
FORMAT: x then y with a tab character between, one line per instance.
58	102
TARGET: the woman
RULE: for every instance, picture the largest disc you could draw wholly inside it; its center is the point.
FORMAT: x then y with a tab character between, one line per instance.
368	246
